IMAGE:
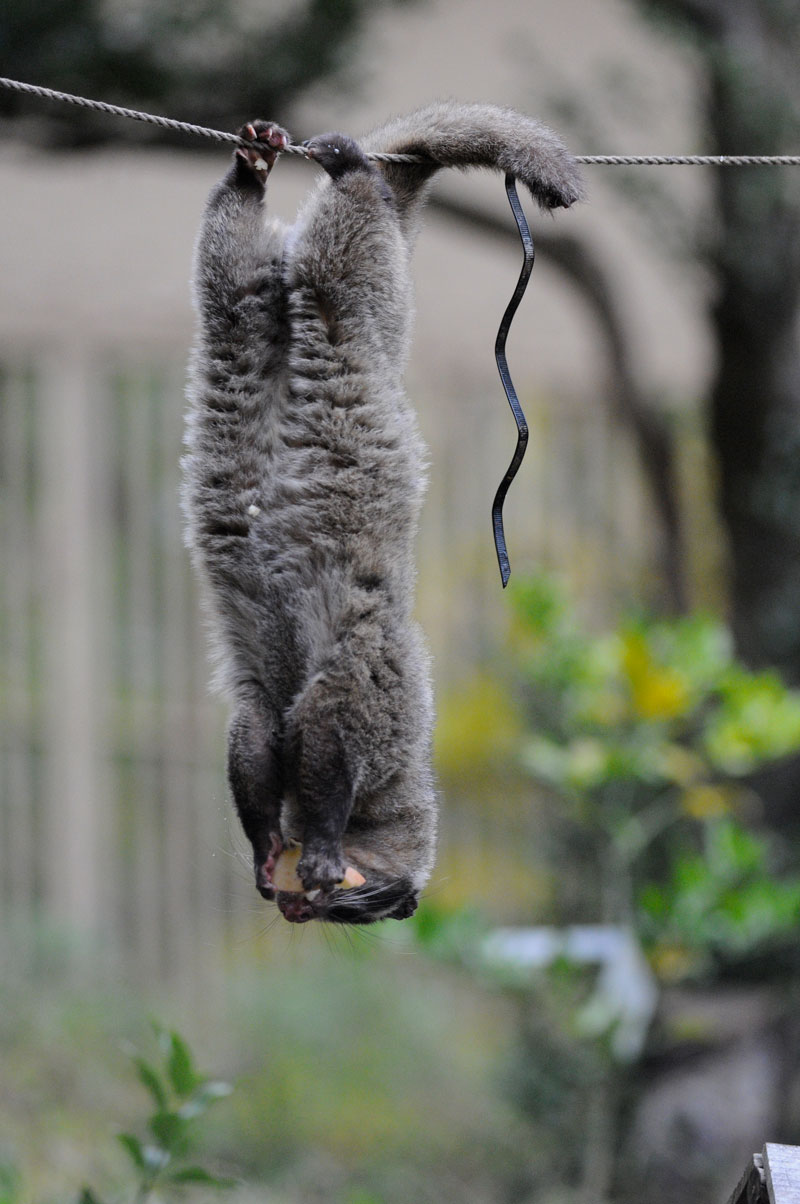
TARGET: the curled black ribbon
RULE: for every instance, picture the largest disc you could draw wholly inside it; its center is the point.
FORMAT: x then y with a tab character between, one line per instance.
508	384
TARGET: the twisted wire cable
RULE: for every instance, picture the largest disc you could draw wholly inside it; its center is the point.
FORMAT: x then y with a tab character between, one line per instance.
201	131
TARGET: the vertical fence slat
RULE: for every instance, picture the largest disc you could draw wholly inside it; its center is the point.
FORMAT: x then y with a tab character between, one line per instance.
140	556
17	777
70	844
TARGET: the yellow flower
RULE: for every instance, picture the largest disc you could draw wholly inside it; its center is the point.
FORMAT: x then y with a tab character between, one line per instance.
671	963
658	692
705	801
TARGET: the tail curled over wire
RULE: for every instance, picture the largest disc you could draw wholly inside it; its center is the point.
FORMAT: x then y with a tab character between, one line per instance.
452	134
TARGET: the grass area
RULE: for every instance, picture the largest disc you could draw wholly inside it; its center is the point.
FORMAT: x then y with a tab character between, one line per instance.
363	1075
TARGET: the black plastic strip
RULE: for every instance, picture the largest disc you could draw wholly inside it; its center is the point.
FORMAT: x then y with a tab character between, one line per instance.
508	384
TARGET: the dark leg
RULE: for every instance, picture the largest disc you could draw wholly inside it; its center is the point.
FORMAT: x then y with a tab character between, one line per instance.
256	780
235	249
324	800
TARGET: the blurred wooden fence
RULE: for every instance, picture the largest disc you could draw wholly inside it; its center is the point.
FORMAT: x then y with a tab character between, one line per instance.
114	820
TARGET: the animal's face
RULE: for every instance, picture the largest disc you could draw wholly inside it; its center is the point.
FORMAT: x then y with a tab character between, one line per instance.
357	885
378	899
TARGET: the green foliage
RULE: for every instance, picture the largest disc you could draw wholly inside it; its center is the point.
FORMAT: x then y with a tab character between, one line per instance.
10	1186
452	935
757	720
179	1094
725	898
364	1073
648	734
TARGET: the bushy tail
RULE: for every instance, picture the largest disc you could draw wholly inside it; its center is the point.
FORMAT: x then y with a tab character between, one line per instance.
451	134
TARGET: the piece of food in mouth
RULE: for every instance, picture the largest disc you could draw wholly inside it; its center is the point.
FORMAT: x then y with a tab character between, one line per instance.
284	875
352	877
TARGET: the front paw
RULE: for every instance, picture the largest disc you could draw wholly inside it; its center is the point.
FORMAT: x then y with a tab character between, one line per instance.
258	161
321	868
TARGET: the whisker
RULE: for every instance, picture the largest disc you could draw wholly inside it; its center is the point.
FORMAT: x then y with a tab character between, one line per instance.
436	888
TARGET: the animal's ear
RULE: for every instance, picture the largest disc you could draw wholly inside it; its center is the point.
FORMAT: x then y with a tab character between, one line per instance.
405	908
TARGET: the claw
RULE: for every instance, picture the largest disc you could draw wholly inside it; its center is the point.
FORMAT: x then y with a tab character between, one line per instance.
277	139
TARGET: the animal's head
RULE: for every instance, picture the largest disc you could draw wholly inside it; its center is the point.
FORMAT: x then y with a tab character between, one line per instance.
321	884
374	900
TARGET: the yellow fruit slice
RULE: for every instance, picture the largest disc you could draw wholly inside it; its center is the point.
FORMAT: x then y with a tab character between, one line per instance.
351	878
284	876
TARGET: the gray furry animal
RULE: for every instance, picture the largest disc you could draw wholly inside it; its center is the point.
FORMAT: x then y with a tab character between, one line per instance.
304	477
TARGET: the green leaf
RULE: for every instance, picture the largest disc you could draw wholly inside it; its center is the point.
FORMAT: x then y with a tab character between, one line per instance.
133	1147
180	1065
196	1174
87	1196
153	1082
168	1128
758	720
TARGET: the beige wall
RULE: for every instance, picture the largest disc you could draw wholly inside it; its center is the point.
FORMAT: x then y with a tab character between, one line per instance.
96	247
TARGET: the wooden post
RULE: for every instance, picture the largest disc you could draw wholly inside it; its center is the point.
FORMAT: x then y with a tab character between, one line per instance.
772	1177
782	1170
752	1187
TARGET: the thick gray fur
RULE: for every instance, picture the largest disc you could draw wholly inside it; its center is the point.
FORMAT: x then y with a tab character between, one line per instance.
304	477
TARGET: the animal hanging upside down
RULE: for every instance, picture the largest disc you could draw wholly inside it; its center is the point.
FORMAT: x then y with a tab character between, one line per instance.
304	477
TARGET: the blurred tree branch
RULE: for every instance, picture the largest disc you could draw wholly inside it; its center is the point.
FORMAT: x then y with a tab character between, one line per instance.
215	62
747	53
